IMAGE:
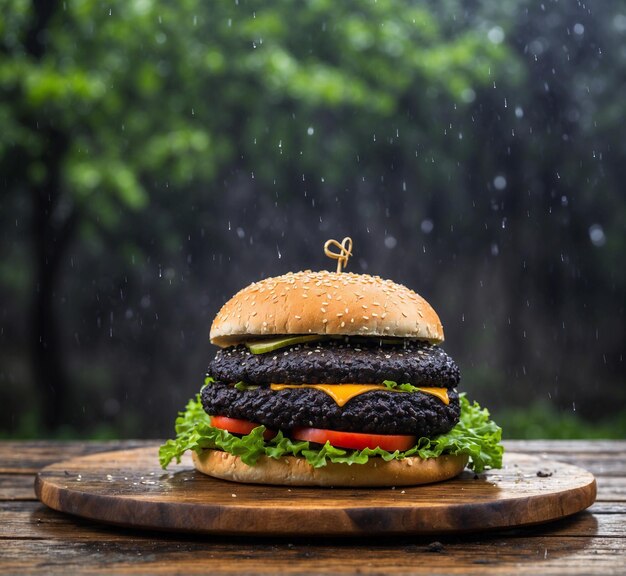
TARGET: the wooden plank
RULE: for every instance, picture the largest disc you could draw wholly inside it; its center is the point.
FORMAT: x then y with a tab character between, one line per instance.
35	539
33	520
22	457
608	507
18	457
525	555
128	488
600	465
566	446
607	462
17	487
611	489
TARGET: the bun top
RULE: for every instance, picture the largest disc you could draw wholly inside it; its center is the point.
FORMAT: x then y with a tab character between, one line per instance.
324	302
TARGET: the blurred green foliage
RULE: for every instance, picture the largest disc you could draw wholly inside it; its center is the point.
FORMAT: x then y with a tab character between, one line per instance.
155	157
543	420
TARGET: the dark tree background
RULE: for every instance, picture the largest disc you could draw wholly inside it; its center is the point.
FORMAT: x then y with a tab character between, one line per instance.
156	157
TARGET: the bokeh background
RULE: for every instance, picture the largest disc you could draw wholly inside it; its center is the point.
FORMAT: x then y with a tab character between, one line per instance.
155	157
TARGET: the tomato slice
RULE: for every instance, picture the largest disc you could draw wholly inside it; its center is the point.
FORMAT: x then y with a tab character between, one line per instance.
238	426
355	440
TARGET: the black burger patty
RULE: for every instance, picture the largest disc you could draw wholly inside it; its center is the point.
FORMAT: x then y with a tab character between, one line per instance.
378	412
420	364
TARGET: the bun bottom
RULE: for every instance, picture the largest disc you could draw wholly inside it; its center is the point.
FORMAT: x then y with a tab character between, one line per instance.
293	471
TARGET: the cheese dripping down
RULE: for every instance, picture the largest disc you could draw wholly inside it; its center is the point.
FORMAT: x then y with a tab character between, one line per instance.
342	393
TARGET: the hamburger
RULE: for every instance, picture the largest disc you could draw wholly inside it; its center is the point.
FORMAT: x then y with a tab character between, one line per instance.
332	379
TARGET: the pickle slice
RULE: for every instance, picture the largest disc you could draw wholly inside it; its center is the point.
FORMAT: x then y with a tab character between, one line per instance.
264	346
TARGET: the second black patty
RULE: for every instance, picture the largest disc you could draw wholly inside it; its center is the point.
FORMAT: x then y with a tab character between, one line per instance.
376	412
420	364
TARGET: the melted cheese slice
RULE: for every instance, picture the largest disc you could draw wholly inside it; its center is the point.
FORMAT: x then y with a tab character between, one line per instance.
342	393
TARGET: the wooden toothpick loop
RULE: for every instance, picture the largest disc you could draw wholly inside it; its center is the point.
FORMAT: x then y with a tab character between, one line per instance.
345	251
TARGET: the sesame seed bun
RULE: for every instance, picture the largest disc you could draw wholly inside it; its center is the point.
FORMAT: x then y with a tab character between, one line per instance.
293	471
324	302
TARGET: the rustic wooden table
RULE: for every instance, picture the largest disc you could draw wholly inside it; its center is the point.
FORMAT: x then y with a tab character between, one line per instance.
35	539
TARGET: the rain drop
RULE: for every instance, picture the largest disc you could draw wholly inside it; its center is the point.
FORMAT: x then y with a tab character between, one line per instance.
596	235
499	182
495	35
468	95
427	226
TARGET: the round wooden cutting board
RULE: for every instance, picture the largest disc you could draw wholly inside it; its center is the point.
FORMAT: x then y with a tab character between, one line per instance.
128	488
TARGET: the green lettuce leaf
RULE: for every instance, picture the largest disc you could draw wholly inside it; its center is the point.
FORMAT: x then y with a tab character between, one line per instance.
391	385
476	436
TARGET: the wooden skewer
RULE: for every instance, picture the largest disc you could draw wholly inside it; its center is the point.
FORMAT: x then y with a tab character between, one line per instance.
345	251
